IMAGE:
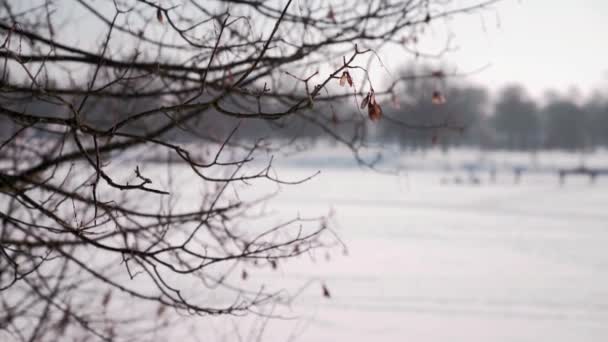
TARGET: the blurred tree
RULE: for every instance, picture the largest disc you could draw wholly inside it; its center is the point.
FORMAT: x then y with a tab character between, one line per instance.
565	125
596	110
467	108
458	121
96	241
516	119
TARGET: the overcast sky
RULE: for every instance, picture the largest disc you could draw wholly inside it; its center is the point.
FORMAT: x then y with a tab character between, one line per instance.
558	44
542	44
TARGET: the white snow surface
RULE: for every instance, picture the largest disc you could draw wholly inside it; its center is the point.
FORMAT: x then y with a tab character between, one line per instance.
429	261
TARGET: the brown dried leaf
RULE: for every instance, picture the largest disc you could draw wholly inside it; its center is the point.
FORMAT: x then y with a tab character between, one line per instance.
161	310
365	100
106	298
331	15
159	15
374	111
326	293
343	79
438	98
349	79
372	99
438	74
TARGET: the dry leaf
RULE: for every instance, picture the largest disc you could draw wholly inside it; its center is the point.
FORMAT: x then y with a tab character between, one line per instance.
343	79
365	100
244	275
374	111
161	310
331	15
373	108
438	74
159	15
349	79
346	78
106	298
438	98
326	293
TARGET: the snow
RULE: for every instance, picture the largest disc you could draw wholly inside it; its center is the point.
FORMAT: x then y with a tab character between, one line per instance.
431	262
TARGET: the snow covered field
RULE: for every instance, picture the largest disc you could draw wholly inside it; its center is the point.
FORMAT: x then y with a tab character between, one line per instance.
432	262
428	258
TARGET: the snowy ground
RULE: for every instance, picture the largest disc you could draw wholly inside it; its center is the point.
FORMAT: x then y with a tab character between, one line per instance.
432	262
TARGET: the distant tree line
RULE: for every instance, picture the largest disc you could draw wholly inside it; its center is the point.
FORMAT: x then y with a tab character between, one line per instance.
511	119
465	115
559	122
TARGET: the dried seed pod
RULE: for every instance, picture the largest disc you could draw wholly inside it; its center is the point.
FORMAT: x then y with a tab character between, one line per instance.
365	100
331	15
161	310
346	78
374	111
106	298
438	98
438	74
326	293
343	79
